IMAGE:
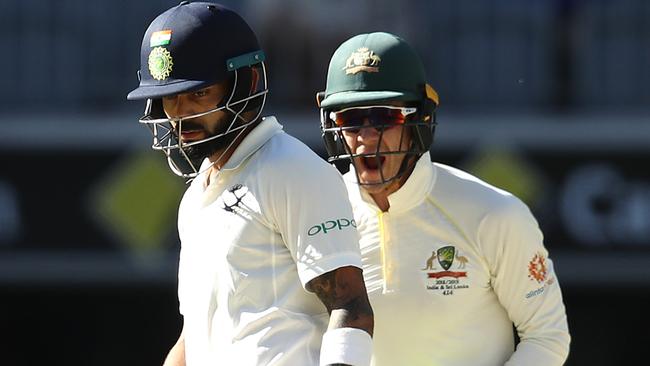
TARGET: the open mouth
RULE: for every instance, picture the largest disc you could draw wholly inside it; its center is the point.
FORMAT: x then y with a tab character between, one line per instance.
373	162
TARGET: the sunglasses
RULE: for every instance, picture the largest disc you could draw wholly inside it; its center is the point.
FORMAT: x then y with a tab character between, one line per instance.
377	116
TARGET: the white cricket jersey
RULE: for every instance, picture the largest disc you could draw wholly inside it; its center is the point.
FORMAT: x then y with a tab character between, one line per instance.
275	217
450	267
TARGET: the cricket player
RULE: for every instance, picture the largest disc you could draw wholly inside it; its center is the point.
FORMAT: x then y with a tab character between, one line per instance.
270	271
450	262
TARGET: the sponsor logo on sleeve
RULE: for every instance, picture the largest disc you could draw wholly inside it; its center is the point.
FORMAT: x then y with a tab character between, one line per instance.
538	272
537	268
331	225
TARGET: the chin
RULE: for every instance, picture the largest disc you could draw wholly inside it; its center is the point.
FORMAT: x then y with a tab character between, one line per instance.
371	180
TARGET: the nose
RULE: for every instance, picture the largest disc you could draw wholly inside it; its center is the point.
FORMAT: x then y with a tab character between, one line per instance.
368	132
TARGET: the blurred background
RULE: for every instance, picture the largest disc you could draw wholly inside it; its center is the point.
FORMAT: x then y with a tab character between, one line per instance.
549	99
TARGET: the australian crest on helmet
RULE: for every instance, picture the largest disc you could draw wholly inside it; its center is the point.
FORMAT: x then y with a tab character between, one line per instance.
363	59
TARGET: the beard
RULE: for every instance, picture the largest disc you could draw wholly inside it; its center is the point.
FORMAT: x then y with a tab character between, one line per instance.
197	153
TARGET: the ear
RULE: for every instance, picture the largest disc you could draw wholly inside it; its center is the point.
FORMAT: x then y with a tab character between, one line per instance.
255	77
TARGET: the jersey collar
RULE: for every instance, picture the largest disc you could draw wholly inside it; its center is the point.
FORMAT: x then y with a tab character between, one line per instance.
255	139
258	136
416	188
411	194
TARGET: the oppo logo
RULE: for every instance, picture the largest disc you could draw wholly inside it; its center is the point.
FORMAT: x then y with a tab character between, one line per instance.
324	227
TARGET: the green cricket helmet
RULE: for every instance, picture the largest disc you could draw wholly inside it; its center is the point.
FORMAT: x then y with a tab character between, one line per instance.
376	76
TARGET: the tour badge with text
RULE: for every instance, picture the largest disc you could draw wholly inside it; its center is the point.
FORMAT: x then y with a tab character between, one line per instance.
444	271
538	272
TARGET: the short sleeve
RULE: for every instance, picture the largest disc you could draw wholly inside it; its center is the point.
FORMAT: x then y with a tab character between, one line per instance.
310	208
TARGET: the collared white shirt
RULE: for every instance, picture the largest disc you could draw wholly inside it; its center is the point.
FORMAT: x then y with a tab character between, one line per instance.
450	267
275	217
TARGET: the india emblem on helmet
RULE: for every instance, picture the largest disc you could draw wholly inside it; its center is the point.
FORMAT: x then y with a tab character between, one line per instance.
160	63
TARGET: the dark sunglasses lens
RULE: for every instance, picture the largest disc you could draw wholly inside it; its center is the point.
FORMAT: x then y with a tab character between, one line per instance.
350	118
376	116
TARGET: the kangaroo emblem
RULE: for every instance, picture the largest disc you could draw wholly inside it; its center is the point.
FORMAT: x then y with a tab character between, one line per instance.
462	260
362	59
430	262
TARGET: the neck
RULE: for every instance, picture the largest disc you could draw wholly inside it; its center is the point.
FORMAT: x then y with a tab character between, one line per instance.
381	197
381	200
218	160
221	157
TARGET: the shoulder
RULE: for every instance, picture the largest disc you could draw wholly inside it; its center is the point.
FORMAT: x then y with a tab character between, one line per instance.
186	205
192	190
353	190
350	180
455	185
492	218
473	201
288	158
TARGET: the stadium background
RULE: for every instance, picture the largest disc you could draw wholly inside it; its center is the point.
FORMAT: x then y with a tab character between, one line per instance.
547	98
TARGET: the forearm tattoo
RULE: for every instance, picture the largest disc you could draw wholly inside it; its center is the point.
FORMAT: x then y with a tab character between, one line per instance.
324	286
343	293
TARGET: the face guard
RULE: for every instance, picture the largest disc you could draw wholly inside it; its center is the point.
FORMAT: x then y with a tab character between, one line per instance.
189	47
418	121
382	71
185	159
